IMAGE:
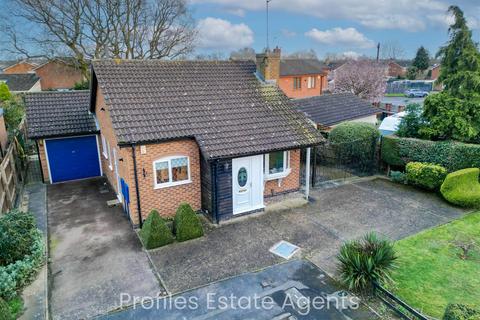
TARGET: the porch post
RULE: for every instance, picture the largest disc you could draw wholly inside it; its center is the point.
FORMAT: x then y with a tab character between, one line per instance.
307	175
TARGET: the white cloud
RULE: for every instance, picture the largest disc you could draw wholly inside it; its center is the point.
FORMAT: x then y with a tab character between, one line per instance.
348	37
214	33
407	15
288	34
351	55
236	12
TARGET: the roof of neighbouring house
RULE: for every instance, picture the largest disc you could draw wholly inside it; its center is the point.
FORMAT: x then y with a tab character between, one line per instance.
19	82
295	67
55	114
331	109
221	104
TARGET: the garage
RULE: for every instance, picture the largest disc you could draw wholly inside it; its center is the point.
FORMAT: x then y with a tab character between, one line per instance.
72	158
65	133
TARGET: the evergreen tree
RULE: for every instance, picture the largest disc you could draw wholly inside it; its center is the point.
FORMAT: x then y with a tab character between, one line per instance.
422	59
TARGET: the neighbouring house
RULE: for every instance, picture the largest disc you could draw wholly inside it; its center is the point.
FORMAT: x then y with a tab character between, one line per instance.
20	83
20	67
300	78
219	135
58	74
397	68
333	66
435	72
65	133
329	110
391	123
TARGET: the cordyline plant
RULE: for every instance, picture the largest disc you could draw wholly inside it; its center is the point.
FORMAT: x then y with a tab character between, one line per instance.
364	78
365	261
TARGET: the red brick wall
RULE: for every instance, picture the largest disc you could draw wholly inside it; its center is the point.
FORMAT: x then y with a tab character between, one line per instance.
58	75
43	160
290	182
22	67
286	84
435	73
396	70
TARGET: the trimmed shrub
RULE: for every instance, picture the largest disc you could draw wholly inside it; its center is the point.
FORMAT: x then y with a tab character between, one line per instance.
155	233
5	313
449	154
20	273
425	175
365	261
460	312
398	177
462	188
17	234
186	224
354	141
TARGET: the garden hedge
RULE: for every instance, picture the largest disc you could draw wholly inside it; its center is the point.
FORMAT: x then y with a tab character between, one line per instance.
354	141
5	313
155	232
186	224
449	154
425	175
460	312
462	188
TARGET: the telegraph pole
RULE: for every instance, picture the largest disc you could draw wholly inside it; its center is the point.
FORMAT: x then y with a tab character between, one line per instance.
268	42
378	51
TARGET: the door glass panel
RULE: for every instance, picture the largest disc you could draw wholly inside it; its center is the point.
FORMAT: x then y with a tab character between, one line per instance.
275	162
180	169
162	171
242	177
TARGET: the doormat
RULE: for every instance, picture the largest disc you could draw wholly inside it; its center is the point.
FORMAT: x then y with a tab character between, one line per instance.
284	249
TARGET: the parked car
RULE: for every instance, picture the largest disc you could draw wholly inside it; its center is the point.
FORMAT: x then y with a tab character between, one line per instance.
416	93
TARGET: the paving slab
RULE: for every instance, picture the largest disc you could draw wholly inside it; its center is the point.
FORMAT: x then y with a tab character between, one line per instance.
95	254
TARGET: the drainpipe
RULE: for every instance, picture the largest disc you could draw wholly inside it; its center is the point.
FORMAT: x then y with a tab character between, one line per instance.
137	191
213	175
307	175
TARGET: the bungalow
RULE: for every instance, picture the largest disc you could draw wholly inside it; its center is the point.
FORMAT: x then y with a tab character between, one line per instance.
217	134
329	110
20	67
58	74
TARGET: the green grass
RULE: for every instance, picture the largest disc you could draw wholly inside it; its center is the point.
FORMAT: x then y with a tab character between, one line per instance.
394	95
16	306
430	272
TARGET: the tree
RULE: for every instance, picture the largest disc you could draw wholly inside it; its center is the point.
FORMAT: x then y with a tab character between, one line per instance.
92	29
364	78
455	113
412	122
4	92
391	50
412	73
422	59
302	54
243	54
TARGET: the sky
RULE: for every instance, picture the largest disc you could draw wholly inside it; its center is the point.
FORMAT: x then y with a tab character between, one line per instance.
351	27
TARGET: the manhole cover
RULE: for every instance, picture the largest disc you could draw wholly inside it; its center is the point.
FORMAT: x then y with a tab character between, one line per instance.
284	249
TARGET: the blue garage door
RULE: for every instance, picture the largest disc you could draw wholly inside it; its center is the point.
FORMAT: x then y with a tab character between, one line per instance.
73	158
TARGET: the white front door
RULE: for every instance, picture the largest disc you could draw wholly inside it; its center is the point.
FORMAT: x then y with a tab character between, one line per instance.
247	184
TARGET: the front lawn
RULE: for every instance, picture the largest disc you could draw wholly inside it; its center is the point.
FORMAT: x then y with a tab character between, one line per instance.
431	273
394	95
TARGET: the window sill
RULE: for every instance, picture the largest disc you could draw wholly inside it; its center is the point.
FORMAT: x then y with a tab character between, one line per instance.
171	184
276	176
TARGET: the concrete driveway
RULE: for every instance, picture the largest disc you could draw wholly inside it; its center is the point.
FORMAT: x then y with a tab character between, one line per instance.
94	253
334	216
293	290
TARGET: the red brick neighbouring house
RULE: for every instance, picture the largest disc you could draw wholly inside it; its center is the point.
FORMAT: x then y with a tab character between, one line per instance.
301	78
395	70
205	132
20	68
58	74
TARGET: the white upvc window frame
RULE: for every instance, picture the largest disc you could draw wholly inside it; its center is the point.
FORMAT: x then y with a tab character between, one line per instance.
104	147
286	167
311	82
170	183
109	150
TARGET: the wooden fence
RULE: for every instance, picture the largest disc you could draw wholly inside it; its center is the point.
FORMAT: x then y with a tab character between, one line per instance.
12	170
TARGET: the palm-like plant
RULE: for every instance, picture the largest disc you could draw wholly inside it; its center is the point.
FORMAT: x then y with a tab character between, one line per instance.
365	261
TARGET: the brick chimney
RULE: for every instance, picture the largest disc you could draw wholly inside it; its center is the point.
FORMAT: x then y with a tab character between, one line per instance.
268	64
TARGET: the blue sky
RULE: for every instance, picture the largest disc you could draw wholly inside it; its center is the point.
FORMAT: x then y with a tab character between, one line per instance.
328	26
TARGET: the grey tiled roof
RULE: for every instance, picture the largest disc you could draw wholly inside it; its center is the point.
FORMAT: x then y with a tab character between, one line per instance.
54	113
19	82
221	104
331	109
294	67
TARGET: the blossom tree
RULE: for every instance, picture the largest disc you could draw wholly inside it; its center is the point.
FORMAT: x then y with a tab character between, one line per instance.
364	78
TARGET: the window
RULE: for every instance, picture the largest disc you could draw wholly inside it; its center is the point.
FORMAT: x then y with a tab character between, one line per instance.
311	82
104	147
171	171
297	83
277	165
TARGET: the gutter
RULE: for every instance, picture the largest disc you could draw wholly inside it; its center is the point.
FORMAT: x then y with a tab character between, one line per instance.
137	190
